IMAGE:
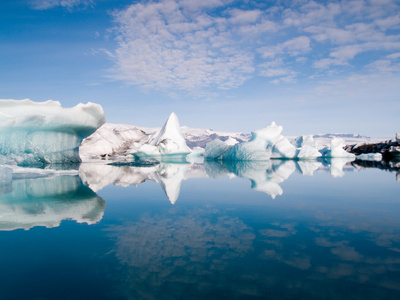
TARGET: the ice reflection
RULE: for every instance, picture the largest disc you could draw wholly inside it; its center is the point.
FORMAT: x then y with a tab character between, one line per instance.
169	176
265	176
46	201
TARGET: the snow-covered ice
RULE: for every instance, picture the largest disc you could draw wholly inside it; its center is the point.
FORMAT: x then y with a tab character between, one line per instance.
336	150
168	144
258	147
370	156
113	140
44	132
265	144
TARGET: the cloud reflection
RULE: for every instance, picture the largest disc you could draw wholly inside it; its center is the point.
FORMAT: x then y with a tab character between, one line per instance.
181	248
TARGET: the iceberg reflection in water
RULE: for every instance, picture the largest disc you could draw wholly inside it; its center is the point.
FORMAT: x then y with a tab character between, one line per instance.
46	201
265	176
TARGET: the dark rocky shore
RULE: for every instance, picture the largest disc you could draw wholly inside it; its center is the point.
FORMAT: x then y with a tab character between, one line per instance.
390	149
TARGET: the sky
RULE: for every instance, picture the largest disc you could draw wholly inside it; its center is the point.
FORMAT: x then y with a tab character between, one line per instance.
310	66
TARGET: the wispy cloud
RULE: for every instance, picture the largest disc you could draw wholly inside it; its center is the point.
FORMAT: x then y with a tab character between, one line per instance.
166	45
190	45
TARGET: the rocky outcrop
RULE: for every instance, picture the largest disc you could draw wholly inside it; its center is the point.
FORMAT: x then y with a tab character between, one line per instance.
389	149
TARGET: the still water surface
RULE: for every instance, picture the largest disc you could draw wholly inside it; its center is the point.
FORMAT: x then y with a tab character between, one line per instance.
282	230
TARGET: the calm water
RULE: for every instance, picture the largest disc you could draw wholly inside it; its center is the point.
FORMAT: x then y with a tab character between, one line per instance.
213	231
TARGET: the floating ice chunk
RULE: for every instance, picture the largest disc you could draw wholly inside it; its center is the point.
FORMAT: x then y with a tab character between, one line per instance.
306	147
336	150
168	142
197	155
398	137
215	149
259	146
370	156
308	152
283	149
44	132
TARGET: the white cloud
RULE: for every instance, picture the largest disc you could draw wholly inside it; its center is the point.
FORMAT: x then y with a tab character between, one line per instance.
190	45
298	45
162	46
244	16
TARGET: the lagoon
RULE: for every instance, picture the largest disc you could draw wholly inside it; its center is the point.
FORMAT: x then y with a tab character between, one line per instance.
266	230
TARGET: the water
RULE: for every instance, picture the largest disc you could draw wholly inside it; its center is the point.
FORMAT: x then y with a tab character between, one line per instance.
213	231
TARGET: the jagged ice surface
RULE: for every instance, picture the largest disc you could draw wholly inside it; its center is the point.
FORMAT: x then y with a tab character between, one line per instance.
44	132
265	144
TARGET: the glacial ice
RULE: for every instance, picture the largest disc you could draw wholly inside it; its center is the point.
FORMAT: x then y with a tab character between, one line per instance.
265	144
34	133
168	144
215	149
370	156
258	147
113	140
336	150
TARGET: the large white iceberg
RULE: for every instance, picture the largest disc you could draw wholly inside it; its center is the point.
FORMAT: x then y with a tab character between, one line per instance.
169	143
44	132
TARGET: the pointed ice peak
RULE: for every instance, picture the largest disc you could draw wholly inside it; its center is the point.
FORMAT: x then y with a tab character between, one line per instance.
170	139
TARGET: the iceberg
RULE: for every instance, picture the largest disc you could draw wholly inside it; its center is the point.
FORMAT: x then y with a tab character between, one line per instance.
265	144
259	147
336	150
168	144
113	141
215	149
40	133
370	156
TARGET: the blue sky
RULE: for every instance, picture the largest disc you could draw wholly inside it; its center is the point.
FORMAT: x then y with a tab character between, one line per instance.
311	66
